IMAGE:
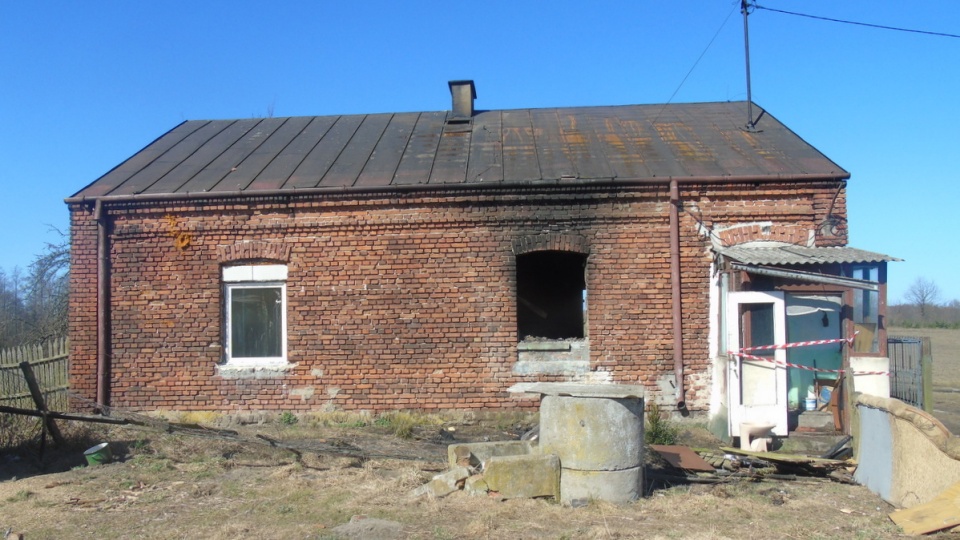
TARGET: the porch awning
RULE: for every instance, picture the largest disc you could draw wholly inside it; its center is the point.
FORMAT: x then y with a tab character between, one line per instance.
790	255
811	277
768	260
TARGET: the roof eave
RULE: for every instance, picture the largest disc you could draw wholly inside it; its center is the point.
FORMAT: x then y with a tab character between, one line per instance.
652	180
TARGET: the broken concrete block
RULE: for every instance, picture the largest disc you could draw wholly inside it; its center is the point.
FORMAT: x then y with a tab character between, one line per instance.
444	484
476	485
523	476
459	455
480	452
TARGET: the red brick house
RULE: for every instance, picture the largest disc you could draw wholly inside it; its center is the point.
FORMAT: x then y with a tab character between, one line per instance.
432	260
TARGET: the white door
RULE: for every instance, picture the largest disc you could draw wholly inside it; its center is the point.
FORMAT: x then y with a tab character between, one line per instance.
757	388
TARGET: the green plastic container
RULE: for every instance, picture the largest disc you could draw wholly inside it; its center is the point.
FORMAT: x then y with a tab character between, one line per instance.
99	454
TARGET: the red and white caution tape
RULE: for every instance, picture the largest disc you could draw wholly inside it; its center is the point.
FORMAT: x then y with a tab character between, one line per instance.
808	368
849	341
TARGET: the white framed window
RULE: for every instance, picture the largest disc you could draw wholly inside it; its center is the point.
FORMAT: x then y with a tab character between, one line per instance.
866	311
255	315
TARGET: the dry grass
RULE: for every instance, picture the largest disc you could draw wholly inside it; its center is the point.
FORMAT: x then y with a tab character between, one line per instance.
170	486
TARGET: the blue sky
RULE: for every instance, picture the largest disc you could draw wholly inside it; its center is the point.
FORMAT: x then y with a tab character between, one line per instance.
87	84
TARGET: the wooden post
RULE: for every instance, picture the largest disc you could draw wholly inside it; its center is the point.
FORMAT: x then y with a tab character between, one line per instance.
49	424
926	369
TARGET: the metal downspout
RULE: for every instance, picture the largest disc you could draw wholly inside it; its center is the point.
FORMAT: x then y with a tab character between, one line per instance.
675	294
103	306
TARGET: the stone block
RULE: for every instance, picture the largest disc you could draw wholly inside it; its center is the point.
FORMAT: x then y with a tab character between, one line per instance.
612	486
525	476
476	485
480	452
444	484
592	434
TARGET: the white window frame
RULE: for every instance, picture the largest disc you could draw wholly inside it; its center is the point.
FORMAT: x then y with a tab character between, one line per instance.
267	276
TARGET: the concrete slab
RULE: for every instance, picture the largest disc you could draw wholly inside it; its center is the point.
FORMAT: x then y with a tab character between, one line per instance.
612	486
592	434
514	477
612	391
476	454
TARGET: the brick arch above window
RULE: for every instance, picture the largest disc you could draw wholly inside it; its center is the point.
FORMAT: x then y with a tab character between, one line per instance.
247	251
764	232
551	242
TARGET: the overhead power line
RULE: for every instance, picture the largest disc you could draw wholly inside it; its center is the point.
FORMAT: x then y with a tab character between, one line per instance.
880	26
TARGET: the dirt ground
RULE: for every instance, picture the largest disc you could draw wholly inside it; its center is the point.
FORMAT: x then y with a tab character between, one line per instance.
165	485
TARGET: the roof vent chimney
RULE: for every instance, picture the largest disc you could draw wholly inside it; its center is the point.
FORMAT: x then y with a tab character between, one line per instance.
463	94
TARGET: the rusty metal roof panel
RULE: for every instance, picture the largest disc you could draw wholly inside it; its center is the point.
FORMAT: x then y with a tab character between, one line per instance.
421	152
486	150
347	167
192	173
320	159
380	168
791	255
549	146
453	152
520	161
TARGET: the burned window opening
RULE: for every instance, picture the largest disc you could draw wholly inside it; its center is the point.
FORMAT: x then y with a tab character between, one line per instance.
551	295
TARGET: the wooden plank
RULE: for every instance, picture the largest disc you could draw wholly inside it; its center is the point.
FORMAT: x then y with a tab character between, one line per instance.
383	162
314	167
941	513
40	403
682	457
64	416
776	457
347	167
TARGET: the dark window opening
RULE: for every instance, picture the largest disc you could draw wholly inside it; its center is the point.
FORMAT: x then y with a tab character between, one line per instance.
551	295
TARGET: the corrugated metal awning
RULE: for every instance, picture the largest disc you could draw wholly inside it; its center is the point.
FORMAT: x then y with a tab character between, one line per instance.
809	277
791	255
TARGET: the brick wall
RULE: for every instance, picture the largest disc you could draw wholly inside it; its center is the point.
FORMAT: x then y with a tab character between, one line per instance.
403	302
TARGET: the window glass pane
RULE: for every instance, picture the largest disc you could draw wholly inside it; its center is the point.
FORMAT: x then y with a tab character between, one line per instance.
757	327
256	322
866	305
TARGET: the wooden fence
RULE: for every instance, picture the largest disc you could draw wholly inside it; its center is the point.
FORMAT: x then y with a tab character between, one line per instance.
49	363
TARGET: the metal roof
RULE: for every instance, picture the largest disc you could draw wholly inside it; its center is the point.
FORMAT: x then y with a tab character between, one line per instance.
791	255
629	143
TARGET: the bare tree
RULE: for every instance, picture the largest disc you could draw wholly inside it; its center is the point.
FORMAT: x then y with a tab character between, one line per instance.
923	293
48	289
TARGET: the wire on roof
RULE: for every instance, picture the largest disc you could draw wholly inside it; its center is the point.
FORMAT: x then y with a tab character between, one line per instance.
880	26
694	66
